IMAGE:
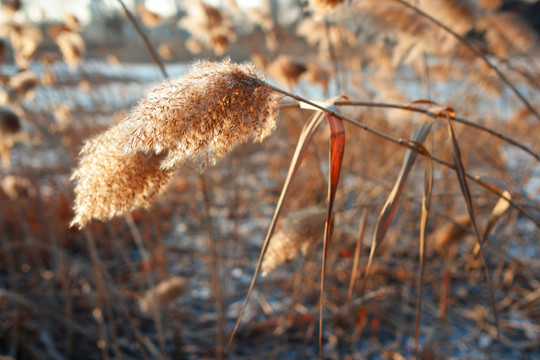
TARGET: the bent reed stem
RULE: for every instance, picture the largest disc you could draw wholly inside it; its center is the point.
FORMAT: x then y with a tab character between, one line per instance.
407	144
433	115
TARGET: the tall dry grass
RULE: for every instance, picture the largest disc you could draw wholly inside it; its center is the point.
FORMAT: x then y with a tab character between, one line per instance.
118	288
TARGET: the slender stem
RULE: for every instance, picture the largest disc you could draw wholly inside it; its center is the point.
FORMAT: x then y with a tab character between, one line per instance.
214	266
443	115
476	51
409	145
433	115
141	33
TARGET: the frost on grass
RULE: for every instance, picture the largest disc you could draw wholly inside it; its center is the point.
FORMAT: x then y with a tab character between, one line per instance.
198	118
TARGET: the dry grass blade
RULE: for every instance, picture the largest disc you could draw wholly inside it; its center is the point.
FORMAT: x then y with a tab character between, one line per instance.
303	141
460	171
357	252
498	211
337	148
387	214
426	201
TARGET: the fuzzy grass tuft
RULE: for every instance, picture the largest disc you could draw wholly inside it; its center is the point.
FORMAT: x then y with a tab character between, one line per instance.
198	118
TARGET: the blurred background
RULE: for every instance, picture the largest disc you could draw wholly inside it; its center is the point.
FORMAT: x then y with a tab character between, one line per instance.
169	282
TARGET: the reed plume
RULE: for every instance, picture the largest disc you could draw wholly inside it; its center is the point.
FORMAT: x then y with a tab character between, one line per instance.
110	183
17	188
203	115
286	71
149	18
321	7
328	38
457	14
198	118
507	35
448	236
24	39
209	26
163	293
298	233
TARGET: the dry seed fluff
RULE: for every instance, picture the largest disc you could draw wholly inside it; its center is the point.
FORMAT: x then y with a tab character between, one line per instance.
198	119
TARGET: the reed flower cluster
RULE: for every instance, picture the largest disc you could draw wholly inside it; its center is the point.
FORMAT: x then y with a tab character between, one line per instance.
299	232
198	119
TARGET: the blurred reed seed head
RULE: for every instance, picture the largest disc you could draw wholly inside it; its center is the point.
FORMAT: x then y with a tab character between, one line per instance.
298	233
198	118
322	6
164	293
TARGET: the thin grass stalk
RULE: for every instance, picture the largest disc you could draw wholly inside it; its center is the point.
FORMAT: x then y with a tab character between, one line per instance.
305	137
476	51
214	266
113	328
153	222
507	61
121	247
333	56
96	271
104	302
156	313
425	78
440	115
386	216
426	204
357	252
141	341
153	52
460	172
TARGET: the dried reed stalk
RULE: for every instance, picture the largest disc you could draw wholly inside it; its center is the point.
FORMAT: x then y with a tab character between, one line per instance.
198	118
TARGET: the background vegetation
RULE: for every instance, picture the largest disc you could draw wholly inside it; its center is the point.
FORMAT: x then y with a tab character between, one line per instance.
169	282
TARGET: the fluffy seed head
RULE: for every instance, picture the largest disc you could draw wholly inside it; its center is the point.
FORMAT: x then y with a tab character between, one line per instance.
299	232
286	71
17	188
451	234
202	116
163	293
110	183
322	6
198	118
